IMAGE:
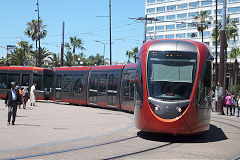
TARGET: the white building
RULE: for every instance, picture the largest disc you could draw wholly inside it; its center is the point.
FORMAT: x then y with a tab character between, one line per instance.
176	17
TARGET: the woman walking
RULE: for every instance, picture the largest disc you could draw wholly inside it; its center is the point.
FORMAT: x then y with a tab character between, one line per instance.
25	95
33	96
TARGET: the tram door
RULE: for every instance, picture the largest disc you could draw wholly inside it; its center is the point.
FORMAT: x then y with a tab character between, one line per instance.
58	88
93	88
112	89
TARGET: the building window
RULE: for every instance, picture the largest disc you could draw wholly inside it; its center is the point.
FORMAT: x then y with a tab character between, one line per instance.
151	10
170	27
161	18
205	34
181	26
183	6
161	1
192	35
169	36
150	29
171	8
160	28
233	10
206	3
171	17
209	12
160	9
193	14
181	35
233	0
150	1
160	37
182	16
193	4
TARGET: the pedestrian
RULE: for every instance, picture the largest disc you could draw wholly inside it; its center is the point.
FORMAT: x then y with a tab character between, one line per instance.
20	93
238	105
234	101
33	95
11	101
210	98
228	103
25	96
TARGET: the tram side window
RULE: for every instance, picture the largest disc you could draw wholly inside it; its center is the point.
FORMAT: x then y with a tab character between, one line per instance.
3	80
205	84
37	79
67	83
47	82
78	83
112	82
13	78
25	80
128	83
93	82
103	84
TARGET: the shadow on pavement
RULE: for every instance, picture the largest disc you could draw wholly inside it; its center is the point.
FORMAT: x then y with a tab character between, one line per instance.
30	125
212	135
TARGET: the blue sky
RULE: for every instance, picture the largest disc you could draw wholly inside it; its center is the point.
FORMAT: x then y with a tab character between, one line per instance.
80	19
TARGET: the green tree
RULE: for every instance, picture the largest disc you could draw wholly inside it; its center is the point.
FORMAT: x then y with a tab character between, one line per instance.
76	43
44	57
132	54
129	54
231	30
26	49
135	52
55	62
32	30
95	60
201	21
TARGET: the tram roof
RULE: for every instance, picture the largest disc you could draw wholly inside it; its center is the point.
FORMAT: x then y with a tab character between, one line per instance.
22	68
107	67
80	68
131	65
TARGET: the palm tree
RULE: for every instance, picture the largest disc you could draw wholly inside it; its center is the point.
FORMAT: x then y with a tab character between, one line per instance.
135	52
231	30
32	30
54	60
130	55
95	60
26	49
235	53
43	58
17	57
201	20
69	59
76	43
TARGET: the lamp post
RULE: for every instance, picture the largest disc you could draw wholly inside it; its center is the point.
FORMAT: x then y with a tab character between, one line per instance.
103	48
39	51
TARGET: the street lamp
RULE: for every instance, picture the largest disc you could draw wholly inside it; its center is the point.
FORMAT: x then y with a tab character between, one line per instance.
103	48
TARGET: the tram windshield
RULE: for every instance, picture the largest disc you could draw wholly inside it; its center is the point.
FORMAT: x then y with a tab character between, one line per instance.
171	74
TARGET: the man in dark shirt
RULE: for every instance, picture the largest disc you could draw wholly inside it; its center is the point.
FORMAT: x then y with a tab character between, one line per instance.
12	100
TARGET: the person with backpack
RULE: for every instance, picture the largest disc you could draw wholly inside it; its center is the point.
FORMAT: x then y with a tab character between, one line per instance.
234	101
228	103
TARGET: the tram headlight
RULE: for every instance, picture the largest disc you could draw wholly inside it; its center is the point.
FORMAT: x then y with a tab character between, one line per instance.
157	108
154	108
179	109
